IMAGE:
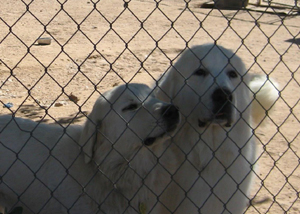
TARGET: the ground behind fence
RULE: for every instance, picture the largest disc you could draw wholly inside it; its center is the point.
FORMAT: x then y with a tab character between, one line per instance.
102	45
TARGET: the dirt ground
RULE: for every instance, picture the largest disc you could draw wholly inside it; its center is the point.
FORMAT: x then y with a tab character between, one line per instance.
98	46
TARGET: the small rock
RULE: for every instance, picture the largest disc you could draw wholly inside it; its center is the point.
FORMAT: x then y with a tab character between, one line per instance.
8	105
44	41
73	98
59	104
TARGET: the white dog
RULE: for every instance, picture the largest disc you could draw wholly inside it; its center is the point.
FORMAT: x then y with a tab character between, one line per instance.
215	146
104	167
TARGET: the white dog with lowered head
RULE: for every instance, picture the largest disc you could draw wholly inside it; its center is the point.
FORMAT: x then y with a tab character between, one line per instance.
215	146
106	166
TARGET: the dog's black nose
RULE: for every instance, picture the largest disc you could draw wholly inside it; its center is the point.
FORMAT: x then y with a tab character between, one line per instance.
170	115
221	96
170	112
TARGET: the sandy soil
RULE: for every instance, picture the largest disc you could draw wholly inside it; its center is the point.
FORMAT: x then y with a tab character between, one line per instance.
96	47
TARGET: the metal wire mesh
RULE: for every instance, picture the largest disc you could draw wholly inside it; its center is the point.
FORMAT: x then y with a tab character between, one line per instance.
96	45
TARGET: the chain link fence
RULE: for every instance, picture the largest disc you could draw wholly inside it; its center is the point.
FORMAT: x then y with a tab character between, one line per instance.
97	45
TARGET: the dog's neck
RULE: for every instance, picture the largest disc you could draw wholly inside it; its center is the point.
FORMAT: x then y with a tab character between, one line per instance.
213	139
125	187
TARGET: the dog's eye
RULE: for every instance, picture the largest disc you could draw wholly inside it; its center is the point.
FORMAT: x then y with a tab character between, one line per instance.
232	74
130	107
201	72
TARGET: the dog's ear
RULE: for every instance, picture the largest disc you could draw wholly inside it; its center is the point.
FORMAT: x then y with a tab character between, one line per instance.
166	88
91	130
172	82
265	94
88	137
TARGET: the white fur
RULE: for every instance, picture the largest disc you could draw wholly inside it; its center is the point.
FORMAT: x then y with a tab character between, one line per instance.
265	95
215	156
103	167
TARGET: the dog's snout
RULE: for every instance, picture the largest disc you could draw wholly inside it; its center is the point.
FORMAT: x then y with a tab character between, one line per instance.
221	95
223	108
170	112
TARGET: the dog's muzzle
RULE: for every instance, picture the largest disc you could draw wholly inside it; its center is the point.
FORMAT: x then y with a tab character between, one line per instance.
222	101
170	116
222	108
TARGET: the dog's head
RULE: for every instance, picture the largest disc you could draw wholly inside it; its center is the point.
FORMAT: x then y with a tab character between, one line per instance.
208	84
125	120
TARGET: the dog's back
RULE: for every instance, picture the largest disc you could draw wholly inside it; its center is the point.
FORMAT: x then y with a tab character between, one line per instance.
26	149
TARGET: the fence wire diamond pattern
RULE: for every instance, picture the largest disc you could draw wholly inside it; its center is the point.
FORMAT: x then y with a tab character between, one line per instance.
97	45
